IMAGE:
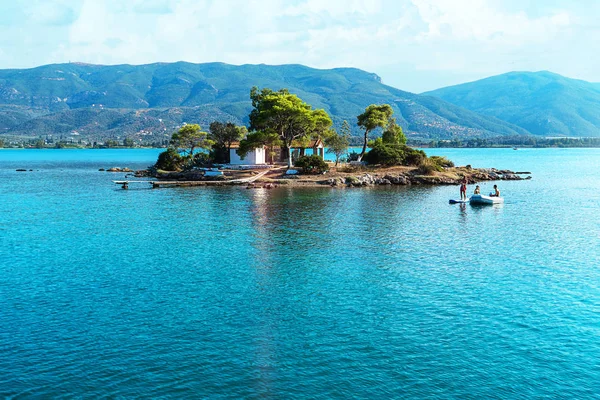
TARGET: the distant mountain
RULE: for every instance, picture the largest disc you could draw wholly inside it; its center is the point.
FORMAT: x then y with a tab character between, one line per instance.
151	100
543	103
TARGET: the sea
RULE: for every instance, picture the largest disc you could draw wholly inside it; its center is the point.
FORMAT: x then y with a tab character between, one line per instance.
316	293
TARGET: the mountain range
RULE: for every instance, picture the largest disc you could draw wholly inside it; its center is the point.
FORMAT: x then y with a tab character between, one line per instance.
150	101
542	103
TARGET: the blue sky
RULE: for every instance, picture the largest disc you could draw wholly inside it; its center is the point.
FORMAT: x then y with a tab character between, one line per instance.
415	45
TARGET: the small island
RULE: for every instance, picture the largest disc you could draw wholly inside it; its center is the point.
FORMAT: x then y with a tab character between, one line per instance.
285	144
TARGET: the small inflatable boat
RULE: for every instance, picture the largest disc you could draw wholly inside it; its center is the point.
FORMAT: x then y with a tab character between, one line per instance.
481	199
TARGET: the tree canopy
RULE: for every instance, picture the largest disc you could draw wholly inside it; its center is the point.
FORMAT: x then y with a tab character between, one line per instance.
259	139
189	138
224	135
338	143
393	133
286	115
375	116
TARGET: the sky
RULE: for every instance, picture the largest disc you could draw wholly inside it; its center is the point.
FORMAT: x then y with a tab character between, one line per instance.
414	45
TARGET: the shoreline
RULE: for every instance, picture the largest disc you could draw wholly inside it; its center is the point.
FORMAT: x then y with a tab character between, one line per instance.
358	177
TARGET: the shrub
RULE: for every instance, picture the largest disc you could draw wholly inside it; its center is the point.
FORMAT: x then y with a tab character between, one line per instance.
201	160
428	167
312	164
169	160
384	154
353	156
414	156
442	161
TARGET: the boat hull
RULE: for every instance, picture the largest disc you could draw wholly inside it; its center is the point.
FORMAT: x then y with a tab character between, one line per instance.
485	200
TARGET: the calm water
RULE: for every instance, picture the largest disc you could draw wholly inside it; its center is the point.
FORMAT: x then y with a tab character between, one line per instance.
316	293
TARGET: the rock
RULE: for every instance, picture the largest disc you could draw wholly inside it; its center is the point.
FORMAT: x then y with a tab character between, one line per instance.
126	170
332	181
366	180
21	170
352	180
382	181
523	173
101	169
113	169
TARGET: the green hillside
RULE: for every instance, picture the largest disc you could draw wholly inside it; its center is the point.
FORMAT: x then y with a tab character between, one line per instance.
543	103
152	100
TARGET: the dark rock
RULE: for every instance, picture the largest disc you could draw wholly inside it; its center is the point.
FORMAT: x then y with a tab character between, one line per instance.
21	170
101	169
352	180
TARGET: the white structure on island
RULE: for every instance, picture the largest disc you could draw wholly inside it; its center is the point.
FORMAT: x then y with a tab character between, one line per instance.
254	157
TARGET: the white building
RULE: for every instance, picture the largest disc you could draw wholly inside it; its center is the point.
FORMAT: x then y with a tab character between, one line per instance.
254	157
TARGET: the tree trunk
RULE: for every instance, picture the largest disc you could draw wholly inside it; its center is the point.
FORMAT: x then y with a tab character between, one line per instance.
364	149
289	149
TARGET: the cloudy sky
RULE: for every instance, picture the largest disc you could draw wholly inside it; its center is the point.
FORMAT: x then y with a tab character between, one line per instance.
414	45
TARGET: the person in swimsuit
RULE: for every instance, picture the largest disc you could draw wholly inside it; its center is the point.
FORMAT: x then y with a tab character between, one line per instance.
496	192
477	190
463	189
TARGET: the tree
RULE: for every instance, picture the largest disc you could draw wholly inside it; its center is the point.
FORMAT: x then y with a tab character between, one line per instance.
345	130
393	133
338	144
128	142
189	138
1	143
286	115
375	116
169	160
224	135
259	139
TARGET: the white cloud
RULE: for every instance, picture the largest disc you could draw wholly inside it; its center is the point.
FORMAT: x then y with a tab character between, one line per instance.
479	20
449	38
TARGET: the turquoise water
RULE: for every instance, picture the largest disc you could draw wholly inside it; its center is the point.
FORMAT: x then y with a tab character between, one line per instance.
307	293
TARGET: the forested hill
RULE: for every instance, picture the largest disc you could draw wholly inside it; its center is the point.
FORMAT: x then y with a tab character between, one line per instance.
151	100
543	103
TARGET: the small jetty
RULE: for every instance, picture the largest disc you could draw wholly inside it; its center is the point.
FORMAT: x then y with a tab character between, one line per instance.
159	184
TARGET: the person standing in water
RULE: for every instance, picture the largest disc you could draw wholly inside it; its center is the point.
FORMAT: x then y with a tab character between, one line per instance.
463	189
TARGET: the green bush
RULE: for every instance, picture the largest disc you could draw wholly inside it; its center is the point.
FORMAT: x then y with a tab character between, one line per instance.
169	160
312	164
353	156
414	156
428	167
384	153
201	160
442	161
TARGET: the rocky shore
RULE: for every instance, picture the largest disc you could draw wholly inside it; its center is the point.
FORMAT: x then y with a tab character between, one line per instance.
342	177
451	176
